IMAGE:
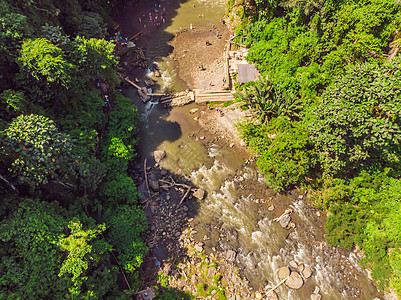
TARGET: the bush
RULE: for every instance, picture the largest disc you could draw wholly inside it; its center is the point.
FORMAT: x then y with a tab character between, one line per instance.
284	152
127	224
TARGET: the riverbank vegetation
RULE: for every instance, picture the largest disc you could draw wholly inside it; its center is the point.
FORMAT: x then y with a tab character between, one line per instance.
71	224
328	108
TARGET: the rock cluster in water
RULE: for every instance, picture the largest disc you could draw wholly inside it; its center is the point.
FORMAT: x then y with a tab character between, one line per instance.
294	276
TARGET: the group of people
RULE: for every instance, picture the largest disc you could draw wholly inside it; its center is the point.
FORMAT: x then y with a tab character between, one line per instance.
118	39
105	97
218	110
156	16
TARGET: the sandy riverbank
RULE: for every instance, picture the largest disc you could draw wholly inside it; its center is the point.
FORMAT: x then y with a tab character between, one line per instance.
190	52
200	65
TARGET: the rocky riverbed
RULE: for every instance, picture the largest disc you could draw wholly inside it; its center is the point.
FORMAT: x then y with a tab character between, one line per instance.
182	257
227	245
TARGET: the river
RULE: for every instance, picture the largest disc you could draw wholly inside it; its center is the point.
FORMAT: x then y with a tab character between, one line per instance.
235	212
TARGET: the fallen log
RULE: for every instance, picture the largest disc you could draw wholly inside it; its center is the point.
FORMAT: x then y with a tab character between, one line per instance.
9	183
146	200
146	178
135	35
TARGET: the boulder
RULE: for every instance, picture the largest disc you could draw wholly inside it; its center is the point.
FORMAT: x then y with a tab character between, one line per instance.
194	110
301	267
156	73
306	273
230	255
294	265
258	295
199	194
130	45
317	290
285	220
316	297
154	185
283	272
295	281
271	296
271	208
159	155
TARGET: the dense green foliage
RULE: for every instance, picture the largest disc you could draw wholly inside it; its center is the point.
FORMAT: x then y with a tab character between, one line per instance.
357	124
67	201
328	118
41	152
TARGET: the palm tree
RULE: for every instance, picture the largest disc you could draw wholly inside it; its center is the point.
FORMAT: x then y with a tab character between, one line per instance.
262	98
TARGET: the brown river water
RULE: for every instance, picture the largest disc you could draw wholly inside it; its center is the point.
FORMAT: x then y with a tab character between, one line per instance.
234	214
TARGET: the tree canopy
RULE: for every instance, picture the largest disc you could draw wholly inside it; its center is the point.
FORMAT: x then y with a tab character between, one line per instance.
333	65
59	153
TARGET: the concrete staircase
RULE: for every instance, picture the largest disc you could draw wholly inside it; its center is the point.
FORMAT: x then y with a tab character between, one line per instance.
203	97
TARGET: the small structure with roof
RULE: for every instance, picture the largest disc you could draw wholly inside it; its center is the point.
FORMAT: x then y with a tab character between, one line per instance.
247	72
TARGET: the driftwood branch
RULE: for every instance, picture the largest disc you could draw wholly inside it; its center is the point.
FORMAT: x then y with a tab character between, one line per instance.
146	177
277	285
9	183
183	197
173	184
166	182
146	200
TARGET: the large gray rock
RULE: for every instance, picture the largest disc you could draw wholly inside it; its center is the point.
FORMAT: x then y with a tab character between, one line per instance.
283	272
154	185
199	194
285	220
159	155
295	281
194	110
